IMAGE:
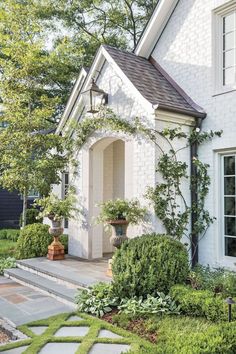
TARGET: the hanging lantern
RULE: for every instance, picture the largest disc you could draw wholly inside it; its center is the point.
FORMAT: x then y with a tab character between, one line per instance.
94	97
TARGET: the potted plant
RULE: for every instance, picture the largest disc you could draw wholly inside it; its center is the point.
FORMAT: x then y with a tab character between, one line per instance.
119	214
56	210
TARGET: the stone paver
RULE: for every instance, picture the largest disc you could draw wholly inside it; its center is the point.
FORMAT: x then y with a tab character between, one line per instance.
75	331
104	333
75	270
16	350
33	305
38	329
100	348
60	348
74	318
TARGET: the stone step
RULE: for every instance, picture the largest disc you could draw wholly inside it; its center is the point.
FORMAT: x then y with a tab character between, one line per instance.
55	274
42	284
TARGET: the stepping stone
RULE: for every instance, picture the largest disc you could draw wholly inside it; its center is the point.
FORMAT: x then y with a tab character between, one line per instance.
104	333
56	348
75	318
75	331
16	350
38	329
100	348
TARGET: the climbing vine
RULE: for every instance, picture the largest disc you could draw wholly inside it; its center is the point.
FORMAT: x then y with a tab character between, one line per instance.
167	196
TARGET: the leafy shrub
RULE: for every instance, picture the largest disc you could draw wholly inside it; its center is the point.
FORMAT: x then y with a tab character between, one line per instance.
6	263
201	303
218	339
161	304
64	240
97	300
32	217
147	264
217	280
33	241
9	234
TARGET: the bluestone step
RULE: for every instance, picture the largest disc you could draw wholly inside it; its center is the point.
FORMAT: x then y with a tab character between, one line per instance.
59	291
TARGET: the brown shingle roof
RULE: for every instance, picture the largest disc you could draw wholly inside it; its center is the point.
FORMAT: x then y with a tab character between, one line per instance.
154	83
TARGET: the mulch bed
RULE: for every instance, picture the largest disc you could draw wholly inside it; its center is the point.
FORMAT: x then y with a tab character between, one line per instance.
136	326
4	338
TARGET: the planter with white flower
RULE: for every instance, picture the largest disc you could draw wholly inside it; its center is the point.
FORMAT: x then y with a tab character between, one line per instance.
119	214
56	209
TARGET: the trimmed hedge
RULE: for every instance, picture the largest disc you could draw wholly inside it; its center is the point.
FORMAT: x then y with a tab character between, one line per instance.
9	234
33	241
201	303
147	264
219	339
31	217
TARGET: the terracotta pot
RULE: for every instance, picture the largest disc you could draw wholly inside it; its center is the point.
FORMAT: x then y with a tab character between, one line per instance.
119	230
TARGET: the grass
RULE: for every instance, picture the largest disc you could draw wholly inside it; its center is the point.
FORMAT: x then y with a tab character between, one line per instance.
36	342
7	248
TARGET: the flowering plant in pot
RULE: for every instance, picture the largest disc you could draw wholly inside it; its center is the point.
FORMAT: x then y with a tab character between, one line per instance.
119	214
56	210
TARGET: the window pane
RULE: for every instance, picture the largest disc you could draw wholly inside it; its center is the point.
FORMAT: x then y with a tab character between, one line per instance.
228	76
229	165
230	228
228	23
229	206
230	246
229	185
228	41
228	58
66	178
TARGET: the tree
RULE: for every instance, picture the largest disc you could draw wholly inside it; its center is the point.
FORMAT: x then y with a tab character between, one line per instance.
31	156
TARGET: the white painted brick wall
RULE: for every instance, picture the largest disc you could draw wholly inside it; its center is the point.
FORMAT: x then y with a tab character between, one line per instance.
185	51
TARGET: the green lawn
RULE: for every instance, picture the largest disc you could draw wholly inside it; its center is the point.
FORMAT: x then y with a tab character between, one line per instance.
7	248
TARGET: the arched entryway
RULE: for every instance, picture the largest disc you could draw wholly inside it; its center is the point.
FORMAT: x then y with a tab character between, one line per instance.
107	180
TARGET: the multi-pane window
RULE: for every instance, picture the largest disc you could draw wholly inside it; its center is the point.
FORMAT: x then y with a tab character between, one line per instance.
229	205
65	187
229	49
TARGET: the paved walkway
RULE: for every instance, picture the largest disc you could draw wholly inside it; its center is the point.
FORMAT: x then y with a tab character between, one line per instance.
21	304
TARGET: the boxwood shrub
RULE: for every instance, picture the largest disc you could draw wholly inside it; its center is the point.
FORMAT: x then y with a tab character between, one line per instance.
201	303
33	241
147	264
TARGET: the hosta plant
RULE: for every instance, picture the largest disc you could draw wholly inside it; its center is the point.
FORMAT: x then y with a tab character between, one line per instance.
6	263
96	300
161	304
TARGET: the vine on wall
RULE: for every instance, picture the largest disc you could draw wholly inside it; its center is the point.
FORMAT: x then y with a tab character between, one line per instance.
167	197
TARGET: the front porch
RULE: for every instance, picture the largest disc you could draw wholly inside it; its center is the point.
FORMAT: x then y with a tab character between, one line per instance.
59	279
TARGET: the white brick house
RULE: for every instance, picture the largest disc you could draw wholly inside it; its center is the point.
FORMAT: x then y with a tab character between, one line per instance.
188	49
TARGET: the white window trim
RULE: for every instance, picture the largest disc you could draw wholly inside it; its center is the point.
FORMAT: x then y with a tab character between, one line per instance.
222	259
217	48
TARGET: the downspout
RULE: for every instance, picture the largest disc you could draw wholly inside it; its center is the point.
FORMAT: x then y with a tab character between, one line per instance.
194	196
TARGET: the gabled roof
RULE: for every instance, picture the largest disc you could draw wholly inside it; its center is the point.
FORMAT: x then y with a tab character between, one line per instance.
154	83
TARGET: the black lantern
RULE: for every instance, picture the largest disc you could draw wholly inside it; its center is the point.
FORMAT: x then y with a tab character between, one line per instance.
230	302
94	97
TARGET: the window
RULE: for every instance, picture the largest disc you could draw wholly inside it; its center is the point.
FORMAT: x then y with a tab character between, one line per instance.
33	194
65	187
229	214
229	48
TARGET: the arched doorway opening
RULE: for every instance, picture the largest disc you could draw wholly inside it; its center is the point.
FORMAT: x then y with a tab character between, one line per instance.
107	181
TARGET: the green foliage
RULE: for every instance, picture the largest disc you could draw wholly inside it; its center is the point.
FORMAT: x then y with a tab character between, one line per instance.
33	241
97	300
167	197
9	234
64	241
147	264
217	280
121	209
7	248
56	208
202	303
31	217
159	304
6	263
